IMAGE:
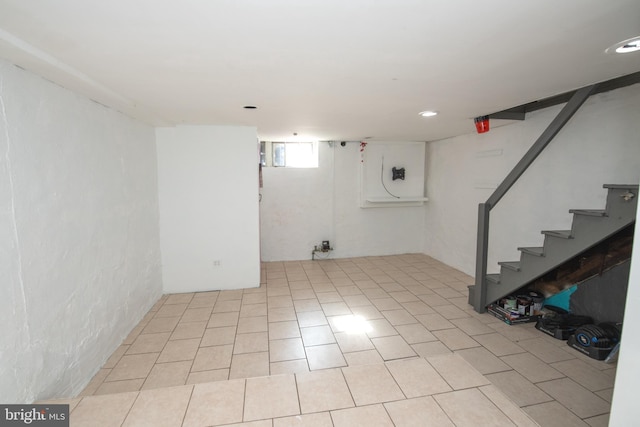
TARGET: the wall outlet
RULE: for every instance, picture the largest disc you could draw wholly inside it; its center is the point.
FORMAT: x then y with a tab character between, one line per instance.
216	262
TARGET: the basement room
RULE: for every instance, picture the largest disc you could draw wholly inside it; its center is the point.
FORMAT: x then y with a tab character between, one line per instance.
319	213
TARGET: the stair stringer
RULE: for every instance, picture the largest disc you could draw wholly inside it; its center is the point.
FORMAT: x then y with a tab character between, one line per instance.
589	227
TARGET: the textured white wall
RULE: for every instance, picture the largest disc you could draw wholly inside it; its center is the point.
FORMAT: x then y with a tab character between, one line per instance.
598	146
302	207
208	195
80	259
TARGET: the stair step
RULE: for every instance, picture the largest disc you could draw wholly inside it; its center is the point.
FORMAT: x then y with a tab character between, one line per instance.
511	265
494	278
589	212
562	234
589	227
535	251
621	186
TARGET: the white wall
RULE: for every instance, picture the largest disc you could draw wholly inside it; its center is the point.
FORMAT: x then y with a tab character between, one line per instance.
377	184
624	406
302	207
80	260
296	209
208	195
598	146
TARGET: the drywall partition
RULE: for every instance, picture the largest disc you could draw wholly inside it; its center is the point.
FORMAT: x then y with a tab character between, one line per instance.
209	215
79	242
302	207
598	146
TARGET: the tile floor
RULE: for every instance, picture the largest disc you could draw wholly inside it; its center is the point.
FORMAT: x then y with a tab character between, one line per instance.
362	341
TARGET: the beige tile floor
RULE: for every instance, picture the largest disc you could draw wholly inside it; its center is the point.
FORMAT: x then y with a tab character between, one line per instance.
362	341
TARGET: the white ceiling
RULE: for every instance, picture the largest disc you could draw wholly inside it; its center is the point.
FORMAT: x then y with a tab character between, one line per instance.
326	69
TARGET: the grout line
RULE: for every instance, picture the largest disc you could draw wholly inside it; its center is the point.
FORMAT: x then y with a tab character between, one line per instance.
353	399
184	415
295	381
131	407
244	397
440	406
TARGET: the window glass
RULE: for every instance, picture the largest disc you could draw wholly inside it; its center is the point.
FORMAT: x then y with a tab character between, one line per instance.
289	154
301	155
279	154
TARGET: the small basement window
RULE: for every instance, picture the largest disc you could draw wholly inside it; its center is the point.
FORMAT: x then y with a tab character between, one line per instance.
289	154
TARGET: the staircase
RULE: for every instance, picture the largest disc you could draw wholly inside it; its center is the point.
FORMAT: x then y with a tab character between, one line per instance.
589	227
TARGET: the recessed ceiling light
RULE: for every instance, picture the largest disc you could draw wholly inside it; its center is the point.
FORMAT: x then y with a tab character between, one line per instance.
626	46
428	113
632	46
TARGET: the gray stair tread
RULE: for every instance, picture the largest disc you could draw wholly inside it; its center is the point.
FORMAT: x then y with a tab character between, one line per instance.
563	234
511	265
621	186
535	251
495	278
589	225
589	212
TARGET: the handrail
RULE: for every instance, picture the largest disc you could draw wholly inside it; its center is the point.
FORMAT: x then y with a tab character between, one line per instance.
484	209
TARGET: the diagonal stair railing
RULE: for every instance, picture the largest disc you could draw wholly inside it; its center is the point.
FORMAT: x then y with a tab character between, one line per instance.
478	293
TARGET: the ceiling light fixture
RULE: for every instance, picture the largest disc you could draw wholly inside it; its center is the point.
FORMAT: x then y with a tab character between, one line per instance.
625	46
428	113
